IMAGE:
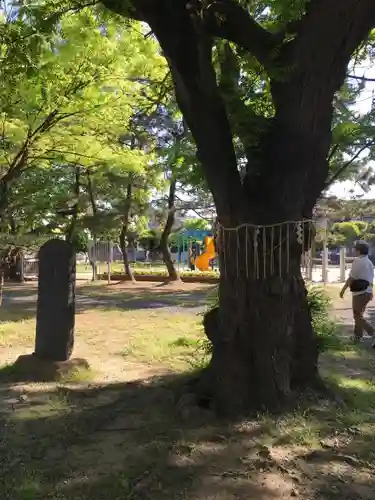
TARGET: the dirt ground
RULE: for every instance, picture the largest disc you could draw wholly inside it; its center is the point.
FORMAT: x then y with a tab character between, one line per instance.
128	430
106	315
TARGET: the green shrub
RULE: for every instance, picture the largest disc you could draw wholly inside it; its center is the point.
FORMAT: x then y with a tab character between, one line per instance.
163	273
326	329
319	302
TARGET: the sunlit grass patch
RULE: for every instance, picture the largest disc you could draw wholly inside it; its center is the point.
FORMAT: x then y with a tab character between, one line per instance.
357	393
16	330
163	338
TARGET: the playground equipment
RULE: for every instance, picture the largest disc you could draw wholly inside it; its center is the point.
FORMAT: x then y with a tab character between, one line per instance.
202	262
189	243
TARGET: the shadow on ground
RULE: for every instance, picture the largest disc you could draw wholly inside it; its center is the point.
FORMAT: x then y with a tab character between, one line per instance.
125	301
130	441
13	313
147	440
20	304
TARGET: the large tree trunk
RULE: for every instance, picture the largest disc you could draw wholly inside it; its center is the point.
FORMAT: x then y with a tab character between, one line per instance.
263	343
164	244
124	231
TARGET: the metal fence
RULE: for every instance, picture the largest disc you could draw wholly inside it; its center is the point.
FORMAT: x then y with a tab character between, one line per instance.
321	269
326	268
30	268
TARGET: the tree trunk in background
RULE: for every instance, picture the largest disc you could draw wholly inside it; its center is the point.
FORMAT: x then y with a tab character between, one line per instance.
127	267
9	263
1	284
11	268
124	231
164	240
131	247
21	266
12	262
90	192
75	209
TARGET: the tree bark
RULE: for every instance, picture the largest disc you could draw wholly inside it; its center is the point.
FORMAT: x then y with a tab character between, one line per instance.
164	244
264	346
124	231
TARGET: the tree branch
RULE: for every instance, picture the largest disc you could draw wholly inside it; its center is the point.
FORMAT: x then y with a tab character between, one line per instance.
245	123
347	164
303	95
188	50
130	10
222	18
227	19
333	151
342	28
361	78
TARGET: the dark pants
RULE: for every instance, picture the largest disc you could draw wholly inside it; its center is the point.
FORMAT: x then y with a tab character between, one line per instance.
359	306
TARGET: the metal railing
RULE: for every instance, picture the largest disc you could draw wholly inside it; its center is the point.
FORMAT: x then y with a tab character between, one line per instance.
30	268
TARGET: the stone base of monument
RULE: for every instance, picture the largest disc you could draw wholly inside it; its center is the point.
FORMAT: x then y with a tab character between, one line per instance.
32	368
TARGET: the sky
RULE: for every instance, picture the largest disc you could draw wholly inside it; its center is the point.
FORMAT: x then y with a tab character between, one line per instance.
363	105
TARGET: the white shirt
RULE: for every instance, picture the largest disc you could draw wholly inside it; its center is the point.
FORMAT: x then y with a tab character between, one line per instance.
362	269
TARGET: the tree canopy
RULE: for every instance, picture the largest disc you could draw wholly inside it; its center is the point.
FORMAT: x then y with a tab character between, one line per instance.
271	43
69	109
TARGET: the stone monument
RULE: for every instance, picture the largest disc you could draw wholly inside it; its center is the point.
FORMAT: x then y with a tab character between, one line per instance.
56	301
55	319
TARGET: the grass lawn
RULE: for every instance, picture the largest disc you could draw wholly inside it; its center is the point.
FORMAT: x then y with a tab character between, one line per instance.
126	430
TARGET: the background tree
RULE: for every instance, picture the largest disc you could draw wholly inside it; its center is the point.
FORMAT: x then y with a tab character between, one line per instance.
173	161
197	224
165	128
67	118
345	210
346	233
352	133
187	190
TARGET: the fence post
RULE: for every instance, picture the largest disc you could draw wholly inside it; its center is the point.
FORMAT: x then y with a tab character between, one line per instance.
309	265
325	262
22	267
110	259
178	251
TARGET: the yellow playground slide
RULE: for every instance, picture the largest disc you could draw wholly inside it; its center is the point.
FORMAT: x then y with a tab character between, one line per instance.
203	261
